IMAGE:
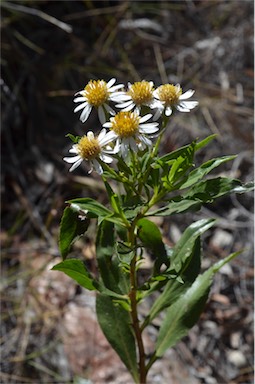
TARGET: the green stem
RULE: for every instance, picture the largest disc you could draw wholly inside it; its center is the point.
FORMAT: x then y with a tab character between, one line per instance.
152	360
134	312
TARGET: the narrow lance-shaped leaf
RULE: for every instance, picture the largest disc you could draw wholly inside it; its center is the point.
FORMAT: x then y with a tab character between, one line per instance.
71	227
182	256
105	243
208	190
204	192
198	173
185	150
175	288
77	271
184	246
185	312
112	276
116	325
93	208
177	205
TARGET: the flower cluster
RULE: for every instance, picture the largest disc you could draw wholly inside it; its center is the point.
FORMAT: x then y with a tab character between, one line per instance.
129	128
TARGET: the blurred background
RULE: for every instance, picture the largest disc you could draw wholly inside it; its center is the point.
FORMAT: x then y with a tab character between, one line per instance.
50	50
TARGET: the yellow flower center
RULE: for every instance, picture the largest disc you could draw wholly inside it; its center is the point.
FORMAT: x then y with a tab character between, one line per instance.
141	92
169	94
125	124
88	147
96	92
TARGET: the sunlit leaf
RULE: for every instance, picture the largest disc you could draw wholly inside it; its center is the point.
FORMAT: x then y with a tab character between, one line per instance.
208	190
77	271
198	173
185	252
185	312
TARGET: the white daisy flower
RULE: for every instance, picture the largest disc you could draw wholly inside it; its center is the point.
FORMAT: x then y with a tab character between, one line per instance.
170	96
97	94
91	148
130	131
138	94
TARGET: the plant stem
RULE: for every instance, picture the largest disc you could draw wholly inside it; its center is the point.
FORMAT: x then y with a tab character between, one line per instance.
134	313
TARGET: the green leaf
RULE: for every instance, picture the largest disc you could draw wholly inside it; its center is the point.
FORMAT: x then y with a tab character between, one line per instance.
115	323
71	227
94	208
77	271
111	274
185	252
208	190
185	152
179	168
75	139
204	192
198	173
151	238
184	246
176	205
185	312
204	142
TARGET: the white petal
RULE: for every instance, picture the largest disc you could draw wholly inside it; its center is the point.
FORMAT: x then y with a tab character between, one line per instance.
129	108
75	165
180	109
101	134
187	95
189	104
79	99
85	113
168	111
111	82
117	148
145	140
118	97
132	144
72	159
81	106
73	149
137	110
101	115
90	135
97	166
109	109
178	87
145	118
107	125
79	92
157	114
115	88
146	128
126	104
124	148
107	159
110	136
